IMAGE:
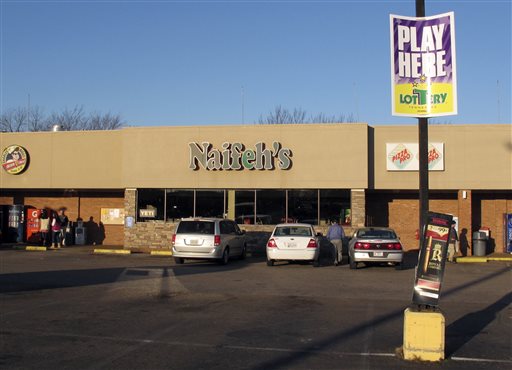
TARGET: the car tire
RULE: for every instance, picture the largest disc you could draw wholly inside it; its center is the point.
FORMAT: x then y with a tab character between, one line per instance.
353	264
179	260
244	252
225	257
316	263
270	262
399	266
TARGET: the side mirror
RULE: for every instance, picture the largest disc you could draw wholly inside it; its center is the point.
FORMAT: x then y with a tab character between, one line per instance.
319	235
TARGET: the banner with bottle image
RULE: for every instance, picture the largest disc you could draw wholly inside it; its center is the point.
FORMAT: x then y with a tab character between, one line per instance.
431	261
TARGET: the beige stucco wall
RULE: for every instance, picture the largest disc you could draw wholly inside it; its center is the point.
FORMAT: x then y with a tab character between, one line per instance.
324	156
476	157
67	160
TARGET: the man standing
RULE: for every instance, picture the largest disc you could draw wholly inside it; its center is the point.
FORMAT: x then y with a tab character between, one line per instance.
335	235
63	222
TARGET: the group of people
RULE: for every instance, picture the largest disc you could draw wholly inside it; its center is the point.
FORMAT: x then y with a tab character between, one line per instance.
53	228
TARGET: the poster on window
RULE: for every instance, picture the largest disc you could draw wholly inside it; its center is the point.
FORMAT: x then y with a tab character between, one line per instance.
431	260
423	68
112	216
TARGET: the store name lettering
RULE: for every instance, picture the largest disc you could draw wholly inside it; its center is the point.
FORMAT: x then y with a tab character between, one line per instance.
235	156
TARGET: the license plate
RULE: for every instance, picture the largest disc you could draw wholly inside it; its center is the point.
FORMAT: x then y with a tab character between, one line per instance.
378	254
292	245
194	242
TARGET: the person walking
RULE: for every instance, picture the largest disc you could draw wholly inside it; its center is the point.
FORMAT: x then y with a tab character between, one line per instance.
63	221
452	244
44	227
56	229
335	235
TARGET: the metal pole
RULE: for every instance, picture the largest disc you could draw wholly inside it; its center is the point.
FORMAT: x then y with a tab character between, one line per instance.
423	148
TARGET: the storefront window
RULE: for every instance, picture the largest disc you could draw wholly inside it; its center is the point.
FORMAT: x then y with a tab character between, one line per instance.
270	206
335	205
244	206
210	203
150	205
303	206
180	204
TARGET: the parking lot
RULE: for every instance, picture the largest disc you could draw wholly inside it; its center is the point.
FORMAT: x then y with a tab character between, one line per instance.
73	309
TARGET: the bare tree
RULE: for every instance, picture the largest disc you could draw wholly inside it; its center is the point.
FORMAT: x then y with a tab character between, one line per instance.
107	121
14	120
282	115
70	120
33	119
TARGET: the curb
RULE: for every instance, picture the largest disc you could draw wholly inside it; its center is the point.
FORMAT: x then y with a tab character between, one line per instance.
161	253
35	249
483	259
471	259
112	251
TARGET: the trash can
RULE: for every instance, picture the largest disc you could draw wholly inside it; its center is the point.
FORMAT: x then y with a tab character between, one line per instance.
80	233
479	243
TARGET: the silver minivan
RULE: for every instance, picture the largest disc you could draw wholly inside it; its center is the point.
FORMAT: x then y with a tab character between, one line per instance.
208	238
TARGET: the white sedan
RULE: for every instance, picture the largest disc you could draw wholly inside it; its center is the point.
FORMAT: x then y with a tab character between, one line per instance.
293	242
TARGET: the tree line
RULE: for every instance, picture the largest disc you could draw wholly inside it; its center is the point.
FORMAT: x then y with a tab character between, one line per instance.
34	119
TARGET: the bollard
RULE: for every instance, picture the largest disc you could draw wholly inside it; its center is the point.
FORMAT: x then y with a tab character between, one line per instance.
424	333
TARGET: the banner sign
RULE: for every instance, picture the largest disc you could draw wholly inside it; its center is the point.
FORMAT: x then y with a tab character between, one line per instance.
423	70
431	260
405	157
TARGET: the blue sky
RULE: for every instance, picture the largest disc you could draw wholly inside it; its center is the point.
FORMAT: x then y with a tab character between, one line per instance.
228	62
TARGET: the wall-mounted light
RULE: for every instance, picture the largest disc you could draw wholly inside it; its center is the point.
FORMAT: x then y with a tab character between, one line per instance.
464	194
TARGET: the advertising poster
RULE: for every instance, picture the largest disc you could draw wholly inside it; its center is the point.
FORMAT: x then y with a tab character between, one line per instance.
431	261
423	70
405	157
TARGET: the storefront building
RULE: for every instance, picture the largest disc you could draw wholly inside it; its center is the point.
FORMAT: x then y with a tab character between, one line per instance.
130	186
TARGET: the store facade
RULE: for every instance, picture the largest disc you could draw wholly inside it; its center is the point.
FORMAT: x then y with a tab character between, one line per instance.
133	184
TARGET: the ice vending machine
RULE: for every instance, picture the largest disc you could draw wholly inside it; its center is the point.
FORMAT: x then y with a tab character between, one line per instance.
507	220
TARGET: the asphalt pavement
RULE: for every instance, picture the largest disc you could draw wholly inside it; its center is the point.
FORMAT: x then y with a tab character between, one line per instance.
71	309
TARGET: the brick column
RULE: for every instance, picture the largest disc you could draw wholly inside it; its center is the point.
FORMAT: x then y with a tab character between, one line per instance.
358	207
465	220
130	209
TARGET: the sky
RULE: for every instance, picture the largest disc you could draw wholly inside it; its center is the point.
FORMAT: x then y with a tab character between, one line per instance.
174	63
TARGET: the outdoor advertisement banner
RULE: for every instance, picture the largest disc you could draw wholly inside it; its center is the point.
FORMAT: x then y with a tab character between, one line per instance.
431	261
423	70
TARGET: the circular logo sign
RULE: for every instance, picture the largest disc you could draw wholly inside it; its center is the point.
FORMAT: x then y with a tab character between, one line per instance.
14	159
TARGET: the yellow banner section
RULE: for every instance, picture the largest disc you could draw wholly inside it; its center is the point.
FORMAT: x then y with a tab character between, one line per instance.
424	100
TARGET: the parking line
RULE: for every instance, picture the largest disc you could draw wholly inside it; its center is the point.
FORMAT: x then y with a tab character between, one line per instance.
239	347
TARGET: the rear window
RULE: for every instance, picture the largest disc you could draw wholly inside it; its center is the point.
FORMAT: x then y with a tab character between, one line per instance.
376	234
196	227
292	231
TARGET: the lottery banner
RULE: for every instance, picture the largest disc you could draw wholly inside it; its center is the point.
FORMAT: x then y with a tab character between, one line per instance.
423	69
431	261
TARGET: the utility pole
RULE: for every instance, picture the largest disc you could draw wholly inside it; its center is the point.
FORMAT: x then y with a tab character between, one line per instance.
423	148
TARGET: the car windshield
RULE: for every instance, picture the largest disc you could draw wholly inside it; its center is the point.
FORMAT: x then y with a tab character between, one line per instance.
376	234
196	227
292	231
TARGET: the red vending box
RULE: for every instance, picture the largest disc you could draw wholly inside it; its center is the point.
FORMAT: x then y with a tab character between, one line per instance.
33	225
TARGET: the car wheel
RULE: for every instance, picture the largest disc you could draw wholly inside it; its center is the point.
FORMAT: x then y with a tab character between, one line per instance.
244	252
179	260
225	257
316	263
270	262
353	264
399	266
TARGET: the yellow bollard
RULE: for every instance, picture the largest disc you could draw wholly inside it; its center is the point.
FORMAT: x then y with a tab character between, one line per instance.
423	335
